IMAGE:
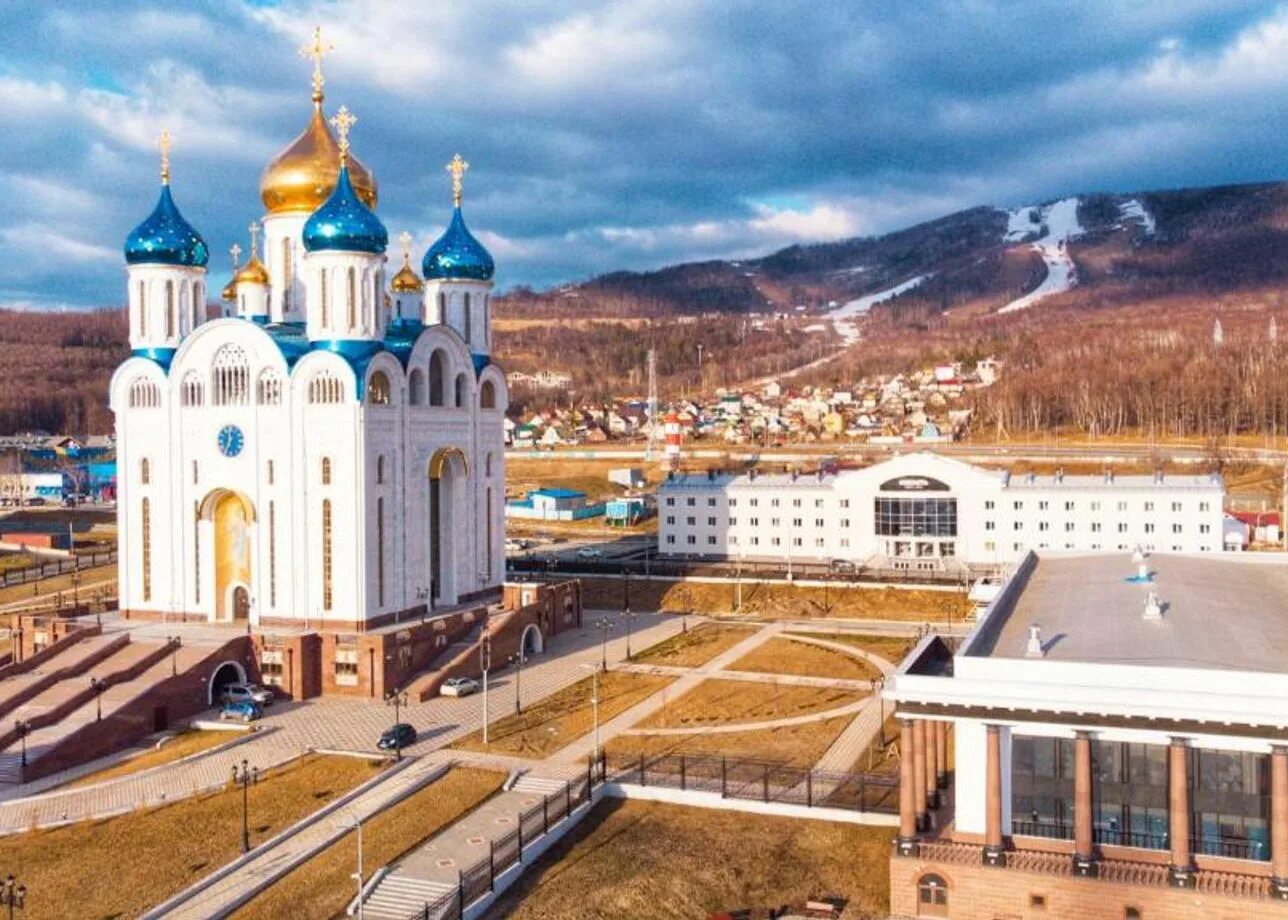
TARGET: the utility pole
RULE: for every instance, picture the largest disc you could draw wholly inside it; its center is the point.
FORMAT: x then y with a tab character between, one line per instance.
651	446
485	663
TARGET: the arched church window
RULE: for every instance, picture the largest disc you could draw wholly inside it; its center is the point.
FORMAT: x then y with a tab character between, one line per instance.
169	309
353	297
325	387
144	394
932	896
416	387
380	551
326	553
325	297
287	272
437	369
462	390
468	318
269	388
487	464
326	471
145	472
380	470
193	390
198	304
487	395
146	560
378	389
143	308
230	377
442	307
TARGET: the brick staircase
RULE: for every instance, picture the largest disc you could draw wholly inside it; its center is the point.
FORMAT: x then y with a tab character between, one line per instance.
75	659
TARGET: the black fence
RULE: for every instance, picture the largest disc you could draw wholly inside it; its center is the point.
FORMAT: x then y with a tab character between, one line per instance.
56	567
479	878
760	781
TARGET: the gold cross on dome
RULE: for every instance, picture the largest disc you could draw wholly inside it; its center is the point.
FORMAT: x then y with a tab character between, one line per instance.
405	238
235	251
254	238
164	144
343	120
317	49
457	168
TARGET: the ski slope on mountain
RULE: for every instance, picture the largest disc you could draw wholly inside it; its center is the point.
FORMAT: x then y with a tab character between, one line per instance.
843	315
1060	221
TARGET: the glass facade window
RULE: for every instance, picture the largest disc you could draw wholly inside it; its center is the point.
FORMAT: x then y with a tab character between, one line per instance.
1230	804
1129	794
916	517
1042	787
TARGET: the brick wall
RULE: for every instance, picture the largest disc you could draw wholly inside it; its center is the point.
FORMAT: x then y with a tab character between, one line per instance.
983	893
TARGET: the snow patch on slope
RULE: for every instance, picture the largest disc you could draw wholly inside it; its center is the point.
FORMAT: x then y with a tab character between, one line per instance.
843	315
1061	222
1021	223
1134	209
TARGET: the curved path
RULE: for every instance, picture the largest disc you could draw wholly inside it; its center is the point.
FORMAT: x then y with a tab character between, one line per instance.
725	728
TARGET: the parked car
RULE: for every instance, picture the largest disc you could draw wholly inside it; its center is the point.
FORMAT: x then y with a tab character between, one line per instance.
241	711
590	552
459	686
236	693
397	737
842	565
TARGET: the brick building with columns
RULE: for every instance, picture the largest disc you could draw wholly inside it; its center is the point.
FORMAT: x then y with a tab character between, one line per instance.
1110	741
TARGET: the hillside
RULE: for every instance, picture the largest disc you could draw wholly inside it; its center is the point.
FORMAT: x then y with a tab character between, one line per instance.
1031	285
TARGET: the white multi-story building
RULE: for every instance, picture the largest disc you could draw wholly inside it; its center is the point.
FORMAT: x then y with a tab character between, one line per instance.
330	455
923	511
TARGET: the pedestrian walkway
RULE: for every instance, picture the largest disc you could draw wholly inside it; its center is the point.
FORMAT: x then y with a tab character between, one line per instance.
755	677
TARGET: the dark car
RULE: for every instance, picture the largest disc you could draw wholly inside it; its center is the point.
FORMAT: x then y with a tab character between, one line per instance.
397	738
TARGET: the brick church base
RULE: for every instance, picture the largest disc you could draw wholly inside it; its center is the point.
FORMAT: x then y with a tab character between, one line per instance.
984	893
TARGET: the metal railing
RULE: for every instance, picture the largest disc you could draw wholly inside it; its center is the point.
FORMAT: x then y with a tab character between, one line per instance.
1232	847
1051	830
760	781
479	878
1140	839
56	567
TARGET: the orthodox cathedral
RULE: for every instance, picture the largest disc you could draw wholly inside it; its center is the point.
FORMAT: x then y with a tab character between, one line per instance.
329	453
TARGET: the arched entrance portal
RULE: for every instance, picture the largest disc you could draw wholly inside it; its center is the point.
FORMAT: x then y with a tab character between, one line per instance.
232	518
448	472
229	672
532	642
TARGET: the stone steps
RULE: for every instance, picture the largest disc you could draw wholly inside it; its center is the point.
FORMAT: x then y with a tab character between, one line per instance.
400	897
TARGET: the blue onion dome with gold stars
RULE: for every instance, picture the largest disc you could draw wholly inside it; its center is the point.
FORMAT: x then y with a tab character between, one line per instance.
165	238
344	223
457	254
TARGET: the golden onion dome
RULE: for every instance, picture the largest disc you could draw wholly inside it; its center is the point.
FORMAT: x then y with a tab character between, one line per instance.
406	281
302	176
230	291
253	272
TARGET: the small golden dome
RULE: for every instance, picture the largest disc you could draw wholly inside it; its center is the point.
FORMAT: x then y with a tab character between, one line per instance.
253	272
407	281
302	176
230	291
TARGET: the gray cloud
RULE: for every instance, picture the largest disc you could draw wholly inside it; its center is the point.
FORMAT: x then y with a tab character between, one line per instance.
620	134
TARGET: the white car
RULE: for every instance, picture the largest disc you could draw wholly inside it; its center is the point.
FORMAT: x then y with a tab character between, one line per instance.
459	686
590	553
236	693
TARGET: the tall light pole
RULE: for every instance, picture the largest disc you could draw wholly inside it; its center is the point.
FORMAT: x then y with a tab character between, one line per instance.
604	625
98	688
355	823
398	700
485	664
594	705
627	615
245	776
517	658
23	728
13	895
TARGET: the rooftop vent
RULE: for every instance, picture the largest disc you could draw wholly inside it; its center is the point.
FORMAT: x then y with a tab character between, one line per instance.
1109	476
1153	608
820	474
1158	477
1059	475
1034	647
711	475
751	474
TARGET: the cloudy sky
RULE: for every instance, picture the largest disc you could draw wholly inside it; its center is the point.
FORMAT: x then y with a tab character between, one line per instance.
631	134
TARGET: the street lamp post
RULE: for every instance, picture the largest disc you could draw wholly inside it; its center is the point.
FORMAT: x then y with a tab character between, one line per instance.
485	665
594	706
13	895
398	700
604	625
517	658
627	615
98	688
23	728
245	776
356	824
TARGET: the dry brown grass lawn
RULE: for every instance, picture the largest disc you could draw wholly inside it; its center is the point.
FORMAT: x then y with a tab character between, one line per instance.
323	886
694	648
792	745
182	745
765	601
37	590
562	718
727	702
784	656
892	648
120	866
651	861
589	476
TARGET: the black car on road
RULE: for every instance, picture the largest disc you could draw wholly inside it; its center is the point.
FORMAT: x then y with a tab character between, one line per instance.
397	737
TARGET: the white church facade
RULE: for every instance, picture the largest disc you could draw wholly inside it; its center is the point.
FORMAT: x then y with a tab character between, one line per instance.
329	455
